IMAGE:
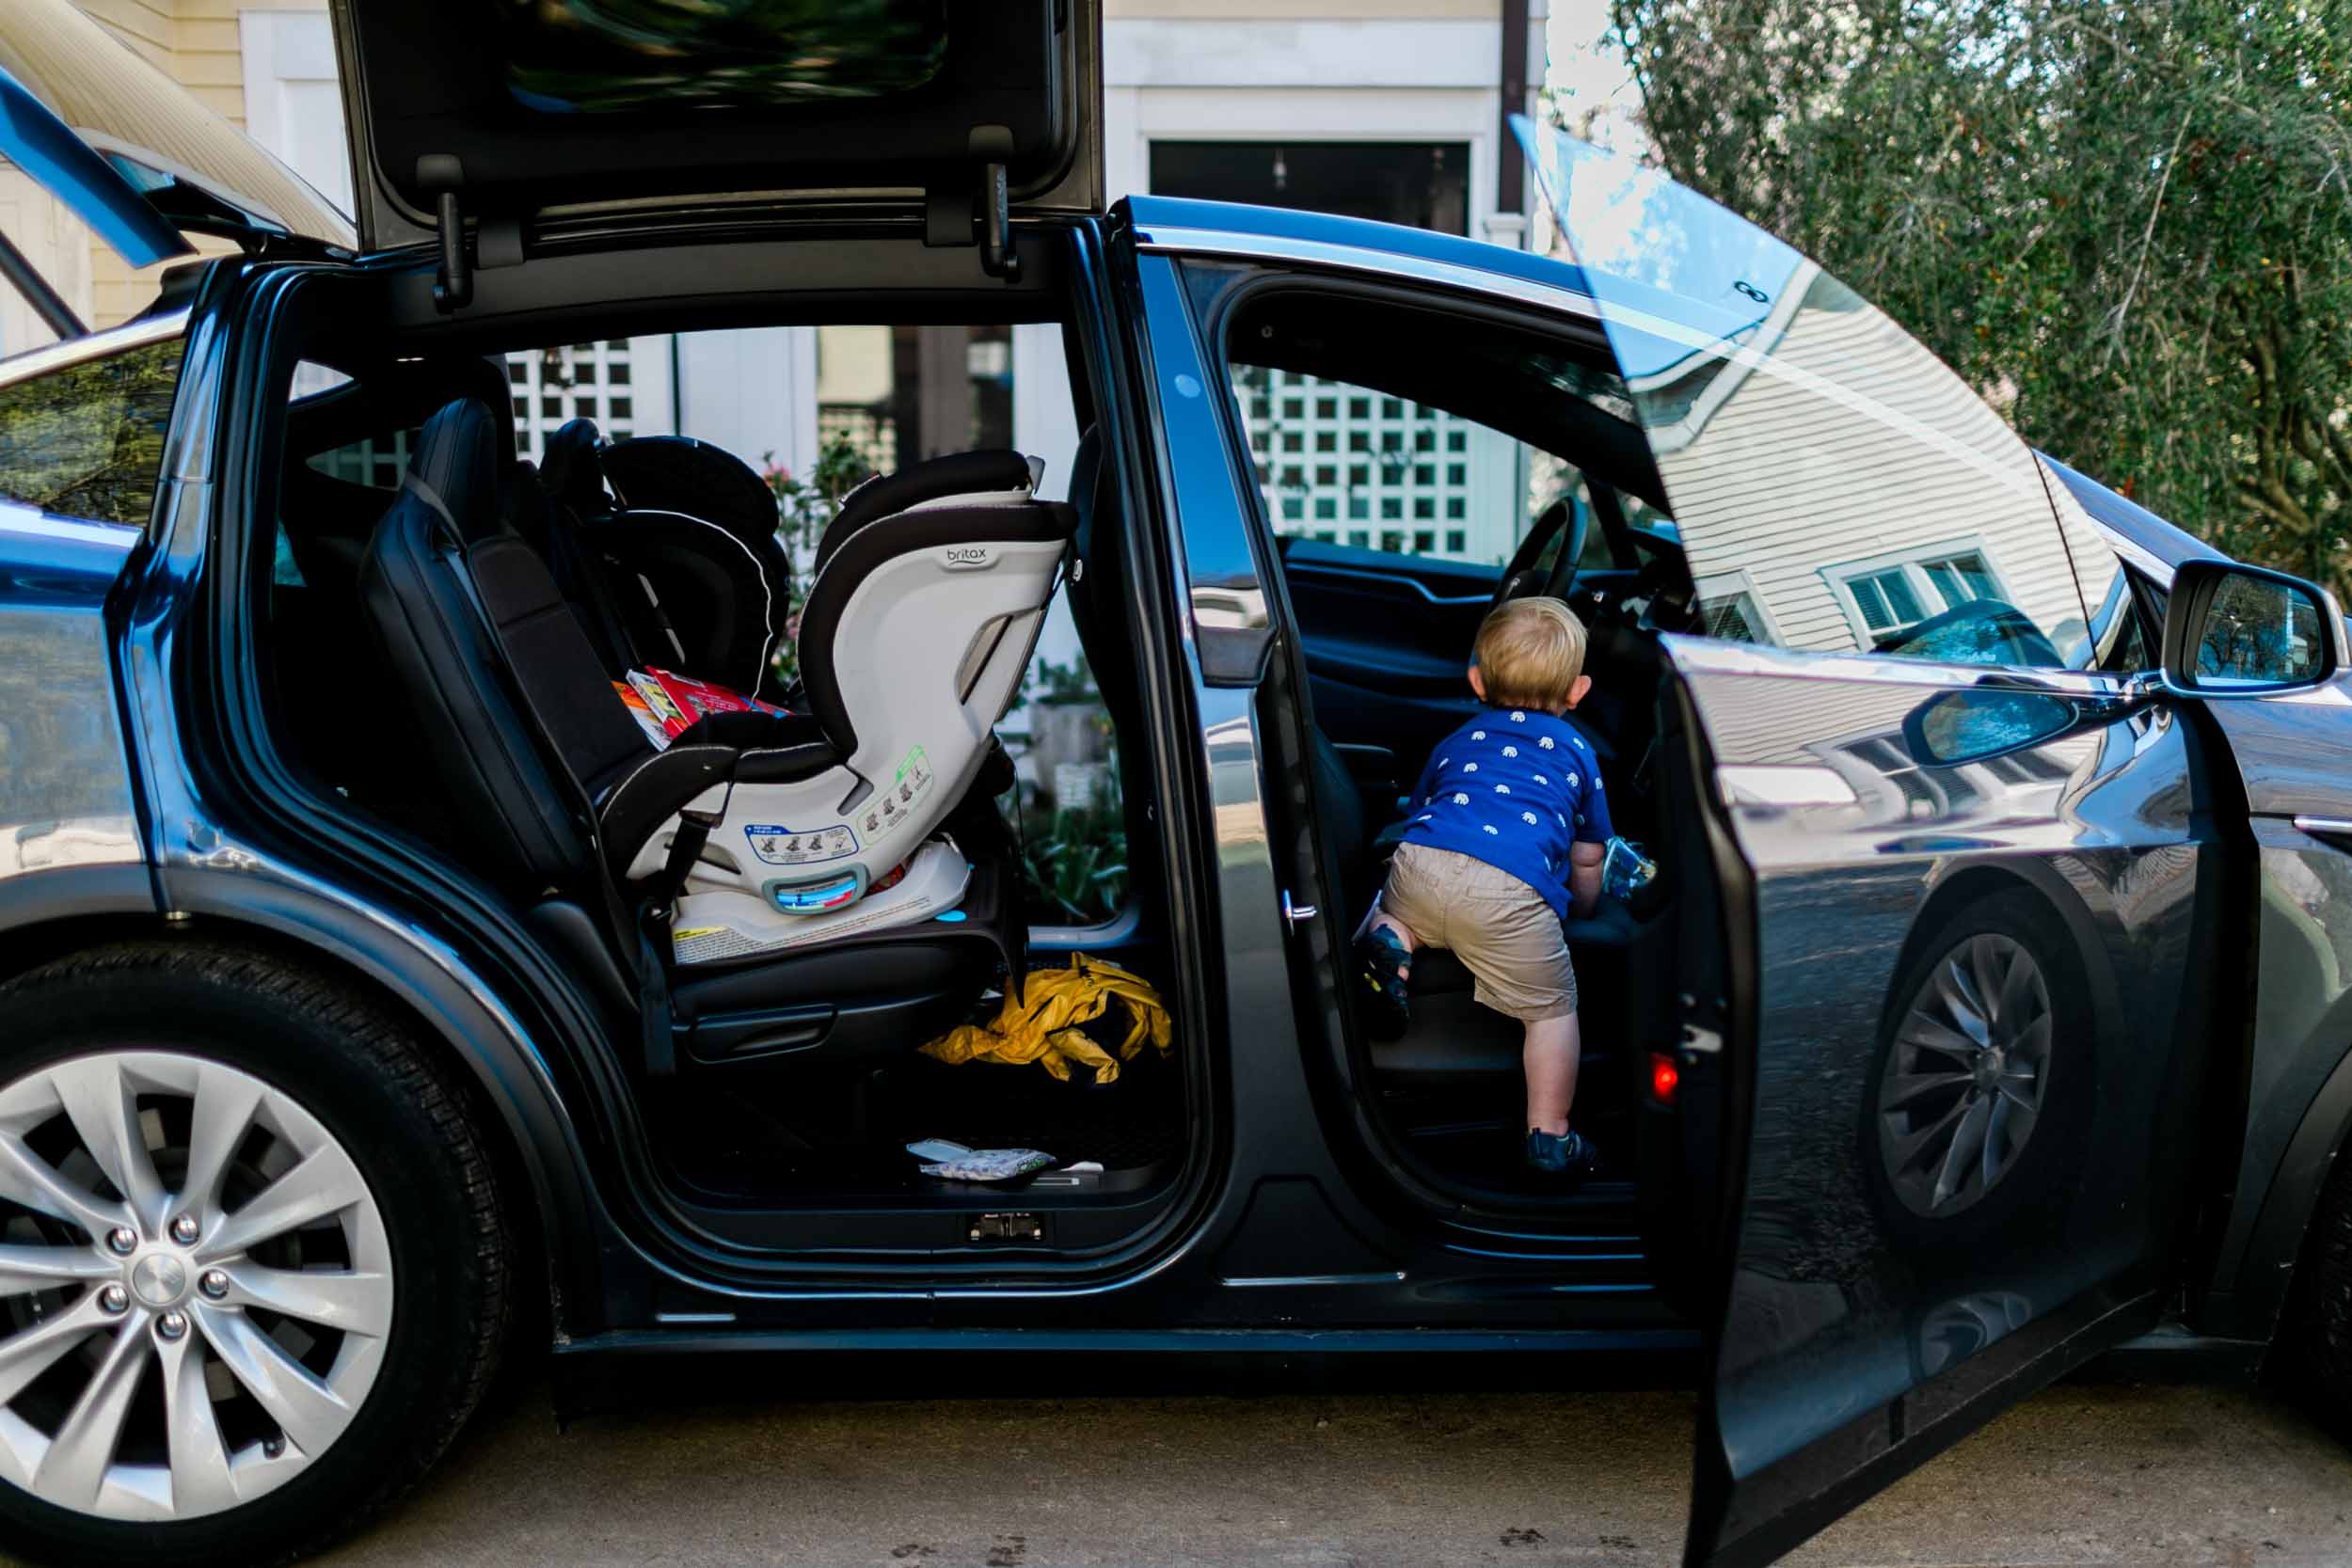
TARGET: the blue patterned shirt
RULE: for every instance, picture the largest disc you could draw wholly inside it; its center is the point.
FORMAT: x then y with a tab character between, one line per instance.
1513	787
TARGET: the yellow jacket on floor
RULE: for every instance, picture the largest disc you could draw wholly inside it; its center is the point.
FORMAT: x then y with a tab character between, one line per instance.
1043	1025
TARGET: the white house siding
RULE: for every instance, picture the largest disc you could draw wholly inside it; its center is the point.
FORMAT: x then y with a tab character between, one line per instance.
1848	442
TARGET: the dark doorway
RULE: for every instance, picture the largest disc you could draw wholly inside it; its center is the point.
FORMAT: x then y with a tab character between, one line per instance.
1426	185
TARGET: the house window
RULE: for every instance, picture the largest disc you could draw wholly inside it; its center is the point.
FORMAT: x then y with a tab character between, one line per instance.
1730	610
1734	619
1886	600
1424	184
1887	596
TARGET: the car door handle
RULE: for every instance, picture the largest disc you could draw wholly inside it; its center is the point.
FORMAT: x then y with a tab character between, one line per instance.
1293	913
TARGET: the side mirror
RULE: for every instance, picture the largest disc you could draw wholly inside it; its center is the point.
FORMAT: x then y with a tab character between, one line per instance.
2231	630
1979	723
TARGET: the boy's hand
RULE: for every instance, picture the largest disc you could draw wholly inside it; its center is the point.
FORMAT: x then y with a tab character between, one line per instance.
1584	877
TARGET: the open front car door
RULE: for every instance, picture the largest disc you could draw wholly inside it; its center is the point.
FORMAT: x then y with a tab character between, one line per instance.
1969	864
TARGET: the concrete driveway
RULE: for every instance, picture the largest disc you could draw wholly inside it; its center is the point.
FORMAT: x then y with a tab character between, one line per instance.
2085	1474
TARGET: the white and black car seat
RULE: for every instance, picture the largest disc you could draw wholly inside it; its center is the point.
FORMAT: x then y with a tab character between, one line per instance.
668	546
931	589
555	796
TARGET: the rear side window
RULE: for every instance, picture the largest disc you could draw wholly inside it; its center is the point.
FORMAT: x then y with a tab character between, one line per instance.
87	440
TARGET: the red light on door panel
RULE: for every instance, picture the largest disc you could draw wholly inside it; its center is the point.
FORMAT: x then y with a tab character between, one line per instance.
1663	1077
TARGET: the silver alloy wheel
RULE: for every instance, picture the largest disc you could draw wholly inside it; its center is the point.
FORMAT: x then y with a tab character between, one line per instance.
1967	1076
128	1388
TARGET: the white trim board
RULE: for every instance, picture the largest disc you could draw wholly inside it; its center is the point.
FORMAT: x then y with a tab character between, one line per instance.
293	97
1172	52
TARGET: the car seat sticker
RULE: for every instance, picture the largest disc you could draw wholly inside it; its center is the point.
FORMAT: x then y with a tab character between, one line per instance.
893	806
774	844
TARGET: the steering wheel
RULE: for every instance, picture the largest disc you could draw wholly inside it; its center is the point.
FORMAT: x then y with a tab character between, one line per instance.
1522	579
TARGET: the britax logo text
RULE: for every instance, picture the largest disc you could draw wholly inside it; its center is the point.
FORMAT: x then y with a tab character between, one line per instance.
967	555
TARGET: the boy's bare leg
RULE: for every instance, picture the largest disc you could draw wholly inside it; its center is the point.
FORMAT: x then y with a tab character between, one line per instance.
1554	1046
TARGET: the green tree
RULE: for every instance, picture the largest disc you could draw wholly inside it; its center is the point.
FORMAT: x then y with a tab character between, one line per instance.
2129	223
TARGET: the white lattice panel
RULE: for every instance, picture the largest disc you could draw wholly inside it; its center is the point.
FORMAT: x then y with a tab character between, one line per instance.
585	381
1348	465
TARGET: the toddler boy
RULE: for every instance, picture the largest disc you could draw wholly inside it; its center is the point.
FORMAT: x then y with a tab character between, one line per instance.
1508	831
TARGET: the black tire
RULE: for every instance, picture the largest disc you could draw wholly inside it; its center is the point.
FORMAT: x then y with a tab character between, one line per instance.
2319	1331
2048	1159
407	1124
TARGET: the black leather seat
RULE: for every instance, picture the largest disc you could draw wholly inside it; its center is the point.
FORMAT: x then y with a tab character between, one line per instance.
552	789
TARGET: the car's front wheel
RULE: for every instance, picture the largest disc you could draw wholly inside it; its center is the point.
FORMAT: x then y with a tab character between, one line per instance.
253	1274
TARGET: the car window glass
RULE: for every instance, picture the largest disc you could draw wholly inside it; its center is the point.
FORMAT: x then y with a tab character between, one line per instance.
1810	449
1353	466
87	440
2118	633
1817	519
378	460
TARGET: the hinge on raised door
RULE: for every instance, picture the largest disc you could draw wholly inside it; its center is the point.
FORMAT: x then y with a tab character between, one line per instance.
441	174
980	213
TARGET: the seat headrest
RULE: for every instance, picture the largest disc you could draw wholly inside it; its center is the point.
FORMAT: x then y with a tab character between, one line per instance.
456	466
957	473
868	548
678	473
571	473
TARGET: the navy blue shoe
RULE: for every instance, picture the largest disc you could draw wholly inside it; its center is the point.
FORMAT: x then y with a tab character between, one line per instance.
1569	1154
1383	965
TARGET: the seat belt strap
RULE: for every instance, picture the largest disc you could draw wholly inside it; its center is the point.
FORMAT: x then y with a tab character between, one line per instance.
686	848
658	949
431	498
653	1002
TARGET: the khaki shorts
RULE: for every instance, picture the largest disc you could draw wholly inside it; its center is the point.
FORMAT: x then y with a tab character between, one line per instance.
1502	930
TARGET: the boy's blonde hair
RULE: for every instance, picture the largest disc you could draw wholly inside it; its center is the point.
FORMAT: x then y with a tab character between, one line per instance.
1530	652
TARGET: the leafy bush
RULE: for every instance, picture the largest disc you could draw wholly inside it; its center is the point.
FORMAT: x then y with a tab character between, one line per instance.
1076	867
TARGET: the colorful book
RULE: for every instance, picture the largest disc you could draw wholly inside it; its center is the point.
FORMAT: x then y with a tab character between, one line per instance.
666	705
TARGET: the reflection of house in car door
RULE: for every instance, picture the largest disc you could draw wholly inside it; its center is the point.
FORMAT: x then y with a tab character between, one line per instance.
1836	486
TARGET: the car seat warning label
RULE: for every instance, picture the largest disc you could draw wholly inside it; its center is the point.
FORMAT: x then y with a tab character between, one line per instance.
889	807
775	844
